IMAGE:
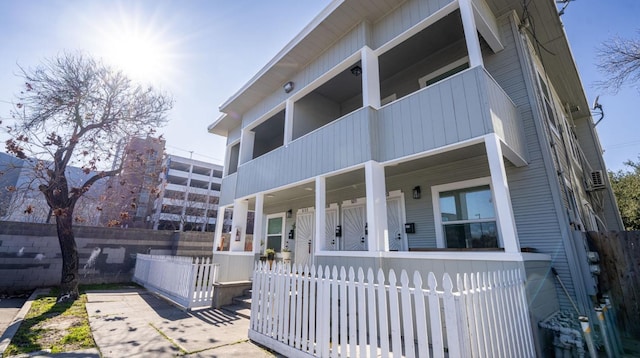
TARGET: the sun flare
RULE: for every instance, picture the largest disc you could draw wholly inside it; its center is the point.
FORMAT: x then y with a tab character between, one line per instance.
137	46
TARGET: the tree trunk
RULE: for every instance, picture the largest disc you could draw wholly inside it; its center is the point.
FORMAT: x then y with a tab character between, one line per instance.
69	279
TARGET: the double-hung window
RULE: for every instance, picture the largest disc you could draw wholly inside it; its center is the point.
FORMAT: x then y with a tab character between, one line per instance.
465	215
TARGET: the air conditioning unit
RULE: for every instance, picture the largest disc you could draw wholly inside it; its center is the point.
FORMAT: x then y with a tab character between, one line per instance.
597	180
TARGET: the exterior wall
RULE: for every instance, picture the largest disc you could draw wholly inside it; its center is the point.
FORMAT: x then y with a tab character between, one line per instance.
348	45
30	254
403	18
338	145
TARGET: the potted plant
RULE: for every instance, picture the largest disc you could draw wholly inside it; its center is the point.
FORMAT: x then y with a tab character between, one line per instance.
271	254
286	254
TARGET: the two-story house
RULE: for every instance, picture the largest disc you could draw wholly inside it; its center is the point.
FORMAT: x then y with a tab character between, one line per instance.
431	135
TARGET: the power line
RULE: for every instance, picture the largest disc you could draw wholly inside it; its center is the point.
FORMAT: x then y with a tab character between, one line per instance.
195	153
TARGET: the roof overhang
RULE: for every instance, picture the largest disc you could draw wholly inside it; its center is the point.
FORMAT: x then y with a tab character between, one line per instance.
340	16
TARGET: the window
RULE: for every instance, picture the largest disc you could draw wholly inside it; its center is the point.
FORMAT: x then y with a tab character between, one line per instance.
465	215
275	228
548	104
444	72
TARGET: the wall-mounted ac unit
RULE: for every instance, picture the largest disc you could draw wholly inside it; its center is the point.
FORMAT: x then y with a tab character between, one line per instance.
597	180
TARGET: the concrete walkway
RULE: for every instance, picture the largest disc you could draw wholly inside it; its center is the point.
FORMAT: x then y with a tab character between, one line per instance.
135	323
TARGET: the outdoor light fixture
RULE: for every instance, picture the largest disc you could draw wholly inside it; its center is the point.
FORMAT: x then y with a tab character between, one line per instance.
289	213
356	70
288	87
417	192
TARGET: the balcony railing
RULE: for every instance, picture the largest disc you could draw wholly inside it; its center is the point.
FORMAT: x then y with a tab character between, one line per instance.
467	105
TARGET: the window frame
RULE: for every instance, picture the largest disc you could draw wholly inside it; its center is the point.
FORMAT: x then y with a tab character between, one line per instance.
282	229
422	81
437	214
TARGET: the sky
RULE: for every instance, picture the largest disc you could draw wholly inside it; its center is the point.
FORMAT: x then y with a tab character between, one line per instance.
203	51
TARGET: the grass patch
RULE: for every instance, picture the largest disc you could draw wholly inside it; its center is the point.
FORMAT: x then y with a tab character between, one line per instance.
55	327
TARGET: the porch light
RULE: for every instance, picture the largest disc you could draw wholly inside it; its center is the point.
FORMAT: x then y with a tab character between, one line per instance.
288	87
289	213
417	192
356	70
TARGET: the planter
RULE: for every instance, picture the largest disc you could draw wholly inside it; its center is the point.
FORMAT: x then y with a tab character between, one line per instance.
286	255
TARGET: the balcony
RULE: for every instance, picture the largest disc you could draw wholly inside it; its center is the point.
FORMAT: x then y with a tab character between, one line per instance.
466	105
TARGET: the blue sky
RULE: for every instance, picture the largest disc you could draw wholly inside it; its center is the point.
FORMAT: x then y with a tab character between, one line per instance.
203	51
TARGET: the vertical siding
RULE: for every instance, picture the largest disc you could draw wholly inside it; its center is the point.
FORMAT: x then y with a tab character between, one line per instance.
338	145
228	189
403	18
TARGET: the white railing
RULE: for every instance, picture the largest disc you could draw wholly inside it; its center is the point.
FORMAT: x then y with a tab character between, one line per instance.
186	281
314	312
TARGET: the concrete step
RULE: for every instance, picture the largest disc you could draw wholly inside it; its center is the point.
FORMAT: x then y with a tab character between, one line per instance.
244	301
238	311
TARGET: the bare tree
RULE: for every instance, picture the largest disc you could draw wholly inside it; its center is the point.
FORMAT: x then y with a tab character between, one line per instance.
619	61
72	112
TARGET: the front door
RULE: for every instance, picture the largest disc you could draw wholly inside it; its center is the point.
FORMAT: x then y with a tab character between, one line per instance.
331	222
354	231
395	223
305	219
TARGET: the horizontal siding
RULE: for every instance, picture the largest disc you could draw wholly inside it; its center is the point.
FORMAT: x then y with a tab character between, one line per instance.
341	144
537	221
403	18
420	211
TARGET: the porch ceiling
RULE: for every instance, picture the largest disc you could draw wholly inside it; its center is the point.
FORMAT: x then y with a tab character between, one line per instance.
436	159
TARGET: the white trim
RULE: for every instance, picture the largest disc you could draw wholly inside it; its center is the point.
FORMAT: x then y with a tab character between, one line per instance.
282	229
370	78
422	81
321	204
435	151
435	198
440	255
375	187
258	223
470	33
388	99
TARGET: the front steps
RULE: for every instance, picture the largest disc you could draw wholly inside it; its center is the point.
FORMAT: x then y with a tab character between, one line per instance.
241	305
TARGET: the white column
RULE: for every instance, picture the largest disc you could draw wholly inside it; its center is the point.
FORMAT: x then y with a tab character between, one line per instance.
258	224
378	232
470	33
247	139
239	225
219	225
288	122
500	186
370	78
321	216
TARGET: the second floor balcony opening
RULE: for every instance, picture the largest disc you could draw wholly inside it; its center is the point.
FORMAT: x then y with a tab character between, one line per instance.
268	135
337	97
234	156
431	55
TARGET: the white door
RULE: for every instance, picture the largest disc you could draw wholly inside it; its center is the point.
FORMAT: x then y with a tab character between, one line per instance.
305	219
354	236
331	222
395	223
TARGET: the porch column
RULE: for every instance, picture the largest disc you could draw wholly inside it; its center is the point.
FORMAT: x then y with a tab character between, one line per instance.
258	224
470	33
321	217
219	225
500	186
370	78
376	207
239	225
288	122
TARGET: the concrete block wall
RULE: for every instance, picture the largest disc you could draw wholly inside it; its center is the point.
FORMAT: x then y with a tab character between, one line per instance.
30	254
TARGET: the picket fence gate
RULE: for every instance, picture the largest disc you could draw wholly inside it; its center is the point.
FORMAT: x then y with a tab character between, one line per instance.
187	281
318	312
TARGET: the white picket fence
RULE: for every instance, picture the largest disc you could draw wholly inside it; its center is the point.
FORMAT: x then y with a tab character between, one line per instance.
304	312
186	281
